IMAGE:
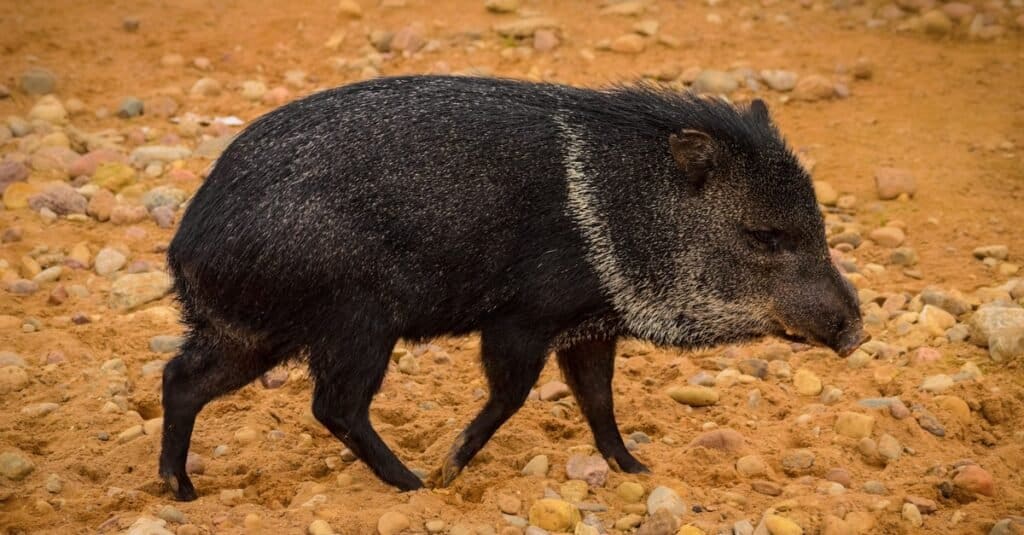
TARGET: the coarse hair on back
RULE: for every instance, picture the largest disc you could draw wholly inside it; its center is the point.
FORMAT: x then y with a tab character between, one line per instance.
660	109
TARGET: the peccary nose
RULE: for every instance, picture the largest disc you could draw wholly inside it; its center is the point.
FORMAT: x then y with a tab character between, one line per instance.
850	339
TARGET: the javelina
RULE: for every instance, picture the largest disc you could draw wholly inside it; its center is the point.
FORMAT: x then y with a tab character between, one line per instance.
548	218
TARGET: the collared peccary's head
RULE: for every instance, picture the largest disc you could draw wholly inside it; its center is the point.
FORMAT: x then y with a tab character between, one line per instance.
722	240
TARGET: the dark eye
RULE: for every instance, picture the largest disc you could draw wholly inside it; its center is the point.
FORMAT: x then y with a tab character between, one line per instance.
765	239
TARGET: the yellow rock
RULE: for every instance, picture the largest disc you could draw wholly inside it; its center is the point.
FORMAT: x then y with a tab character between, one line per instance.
690	530
806	382
80	253
17	193
854	424
113	175
29	267
780	525
957	406
554	515
574	491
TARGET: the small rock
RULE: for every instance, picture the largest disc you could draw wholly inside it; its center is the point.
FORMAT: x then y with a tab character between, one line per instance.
133	290
62	199
630	492
590	468
130	107
814	87
661	522
806	382
929	422
667	499
509	504
554	515
887	236
12	379
392	523
171	514
766	487
825	193
501	6
854	425
629	43
15	466
694	396
937	383
912	515
537	466
780	525
724	439
108	261
999	252
936	23
751	465
797	462
38	81
205	87
780	80
974	479
712	81
924	505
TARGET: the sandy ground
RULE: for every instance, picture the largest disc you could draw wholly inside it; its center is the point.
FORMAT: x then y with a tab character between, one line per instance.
945	107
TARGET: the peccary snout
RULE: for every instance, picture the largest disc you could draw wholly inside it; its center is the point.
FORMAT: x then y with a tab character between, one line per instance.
823	309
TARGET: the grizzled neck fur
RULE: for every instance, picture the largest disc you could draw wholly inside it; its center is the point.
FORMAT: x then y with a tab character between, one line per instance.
664	286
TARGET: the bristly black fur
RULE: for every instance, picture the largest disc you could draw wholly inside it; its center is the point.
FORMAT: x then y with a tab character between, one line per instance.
545	217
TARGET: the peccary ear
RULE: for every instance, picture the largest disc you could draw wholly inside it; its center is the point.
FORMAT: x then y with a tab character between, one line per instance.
759	111
695	153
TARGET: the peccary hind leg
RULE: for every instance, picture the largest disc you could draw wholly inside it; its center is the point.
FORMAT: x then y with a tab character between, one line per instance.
588	368
205	368
513	359
348	374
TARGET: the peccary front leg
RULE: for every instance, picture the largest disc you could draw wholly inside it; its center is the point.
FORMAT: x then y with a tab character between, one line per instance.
513	359
205	368
348	374
588	368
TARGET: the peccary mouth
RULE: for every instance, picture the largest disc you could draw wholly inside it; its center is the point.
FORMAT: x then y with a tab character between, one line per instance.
797	336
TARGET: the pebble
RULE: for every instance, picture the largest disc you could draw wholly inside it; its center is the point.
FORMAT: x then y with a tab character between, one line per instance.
797	462
133	290
714	81
165	343
392	523
974	479
62	199
937	383
630	492
661	522
629	43
554	515
434	526
130	107
509	504
924	505
537	466
912	515
113	176
724	439
37	410
38	81
806	382
205	87
936	22
553	391
408	364
903	256
590	468
782	81
889	447
171	514
766	487
825	193
928	421
1000	329
999	252
524	27
751	465
891	182
15	466
350	8
545	40
53	485
875	487
814	87
887	236
898	410
839	475
694	396
667	499
108	260
12	379
854	425
780	525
